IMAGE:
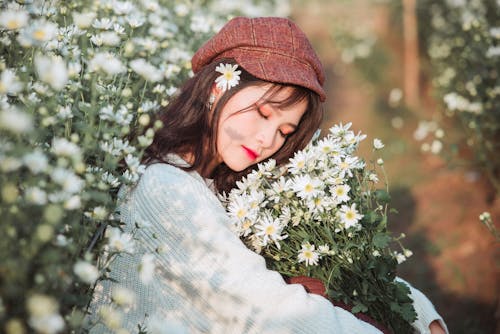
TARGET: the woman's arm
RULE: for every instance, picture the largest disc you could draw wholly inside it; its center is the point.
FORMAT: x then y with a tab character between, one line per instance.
217	282
428	321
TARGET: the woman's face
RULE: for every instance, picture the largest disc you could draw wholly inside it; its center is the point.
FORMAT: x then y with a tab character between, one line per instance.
250	136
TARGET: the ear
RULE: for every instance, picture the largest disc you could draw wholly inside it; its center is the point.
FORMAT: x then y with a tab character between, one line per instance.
216	91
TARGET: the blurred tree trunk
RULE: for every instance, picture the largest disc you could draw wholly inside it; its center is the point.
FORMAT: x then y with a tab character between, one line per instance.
411	66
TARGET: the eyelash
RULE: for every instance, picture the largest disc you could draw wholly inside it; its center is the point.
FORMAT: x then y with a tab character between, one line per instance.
283	135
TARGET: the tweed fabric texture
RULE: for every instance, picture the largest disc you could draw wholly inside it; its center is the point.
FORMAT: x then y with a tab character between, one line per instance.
270	48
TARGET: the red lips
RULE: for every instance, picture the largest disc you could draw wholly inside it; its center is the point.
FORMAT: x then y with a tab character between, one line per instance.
250	153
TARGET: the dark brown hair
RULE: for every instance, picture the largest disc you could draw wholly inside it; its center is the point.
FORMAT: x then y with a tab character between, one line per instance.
190	127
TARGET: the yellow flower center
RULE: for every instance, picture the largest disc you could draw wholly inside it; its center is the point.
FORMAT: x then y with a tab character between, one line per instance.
270	230
228	75
349	215
241	213
308	254
13	24
308	188
344	165
39	35
247	224
340	191
301	164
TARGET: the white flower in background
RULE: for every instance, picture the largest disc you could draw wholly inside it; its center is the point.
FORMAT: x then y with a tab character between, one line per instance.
349	215
43	314
70	182
103	24
37	33
307	187
373	177
341	193
135	21
110	38
399	257
83	20
122	7
52	70
309	255
73	203
96	40
495	32
395	96
9	83
15	120
201	23
230	76
120	241
123	296
36	196
64	148
134	164
269	229
146	70
64	112
13	19
86	272
107	63
436	146
111	317
181	9
36	161
377	144
407	253
146	268
9	164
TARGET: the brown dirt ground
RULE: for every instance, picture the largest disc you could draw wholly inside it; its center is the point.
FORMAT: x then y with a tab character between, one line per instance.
455	260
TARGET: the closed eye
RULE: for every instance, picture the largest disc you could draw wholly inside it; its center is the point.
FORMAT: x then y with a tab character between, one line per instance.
261	114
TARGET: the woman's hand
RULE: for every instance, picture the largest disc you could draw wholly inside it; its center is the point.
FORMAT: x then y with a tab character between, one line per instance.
436	328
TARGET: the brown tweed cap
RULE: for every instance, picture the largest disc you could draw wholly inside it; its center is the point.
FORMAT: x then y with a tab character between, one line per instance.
270	48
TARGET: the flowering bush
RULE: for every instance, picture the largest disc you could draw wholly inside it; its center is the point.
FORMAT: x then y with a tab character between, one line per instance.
462	44
321	216
76	80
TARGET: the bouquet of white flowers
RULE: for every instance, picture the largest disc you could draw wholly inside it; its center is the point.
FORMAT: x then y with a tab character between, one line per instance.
320	216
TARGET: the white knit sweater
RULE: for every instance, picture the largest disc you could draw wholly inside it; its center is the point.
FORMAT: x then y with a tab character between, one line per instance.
206	280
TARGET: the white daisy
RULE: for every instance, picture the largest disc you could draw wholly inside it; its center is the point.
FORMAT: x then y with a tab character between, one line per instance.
307	187
9	83
269	229
377	144
341	193
13	19
239	208
349	215
308	254
230	76
119	241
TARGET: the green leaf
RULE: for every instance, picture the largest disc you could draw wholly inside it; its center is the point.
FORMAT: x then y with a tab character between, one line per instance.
359	307
381	240
382	196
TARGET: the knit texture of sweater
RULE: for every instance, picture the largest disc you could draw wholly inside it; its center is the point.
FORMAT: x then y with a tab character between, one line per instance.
205	279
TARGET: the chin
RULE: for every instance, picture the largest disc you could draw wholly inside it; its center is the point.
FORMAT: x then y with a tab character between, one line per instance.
236	166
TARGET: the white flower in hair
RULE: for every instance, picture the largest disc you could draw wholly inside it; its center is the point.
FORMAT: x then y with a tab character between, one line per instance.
230	76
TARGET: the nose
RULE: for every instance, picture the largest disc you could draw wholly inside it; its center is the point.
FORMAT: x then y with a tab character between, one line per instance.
266	136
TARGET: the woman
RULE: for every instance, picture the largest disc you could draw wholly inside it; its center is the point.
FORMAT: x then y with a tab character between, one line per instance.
256	93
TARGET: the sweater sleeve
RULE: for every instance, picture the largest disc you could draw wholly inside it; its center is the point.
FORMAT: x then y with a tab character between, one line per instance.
216	282
426	313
